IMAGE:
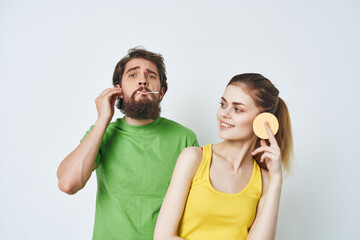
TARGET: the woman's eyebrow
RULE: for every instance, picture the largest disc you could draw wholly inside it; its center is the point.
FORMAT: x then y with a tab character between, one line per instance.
238	103
234	103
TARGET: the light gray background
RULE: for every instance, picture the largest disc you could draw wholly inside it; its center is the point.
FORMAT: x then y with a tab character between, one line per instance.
57	56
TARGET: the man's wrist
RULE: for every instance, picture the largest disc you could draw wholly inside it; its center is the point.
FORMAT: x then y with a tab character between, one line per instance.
103	122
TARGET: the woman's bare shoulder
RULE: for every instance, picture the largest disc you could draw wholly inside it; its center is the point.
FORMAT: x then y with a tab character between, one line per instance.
191	156
192	151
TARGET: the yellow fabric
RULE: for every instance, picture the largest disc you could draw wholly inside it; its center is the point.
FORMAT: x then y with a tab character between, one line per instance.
210	214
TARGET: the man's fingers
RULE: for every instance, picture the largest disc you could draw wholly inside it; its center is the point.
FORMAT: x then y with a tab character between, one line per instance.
108	95
112	100
105	92
114	90
113	94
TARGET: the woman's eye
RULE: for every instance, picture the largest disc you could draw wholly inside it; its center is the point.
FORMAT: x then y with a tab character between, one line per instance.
222	105
238	110
151	76
132	75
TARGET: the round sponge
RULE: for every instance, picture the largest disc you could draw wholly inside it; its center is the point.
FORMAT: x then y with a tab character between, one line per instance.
259	124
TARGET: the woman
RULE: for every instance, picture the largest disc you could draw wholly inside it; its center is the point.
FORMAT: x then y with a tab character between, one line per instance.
231	190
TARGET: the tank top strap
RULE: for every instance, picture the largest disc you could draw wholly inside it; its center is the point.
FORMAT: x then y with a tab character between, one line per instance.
255	183
202	173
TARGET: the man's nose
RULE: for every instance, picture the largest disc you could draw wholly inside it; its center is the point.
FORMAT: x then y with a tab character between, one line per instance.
143	82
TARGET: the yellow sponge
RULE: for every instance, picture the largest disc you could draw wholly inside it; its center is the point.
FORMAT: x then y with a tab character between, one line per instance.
259	124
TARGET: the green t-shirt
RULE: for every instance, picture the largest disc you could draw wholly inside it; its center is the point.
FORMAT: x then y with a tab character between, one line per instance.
135	164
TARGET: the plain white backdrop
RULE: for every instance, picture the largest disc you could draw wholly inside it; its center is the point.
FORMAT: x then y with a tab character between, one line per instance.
57	56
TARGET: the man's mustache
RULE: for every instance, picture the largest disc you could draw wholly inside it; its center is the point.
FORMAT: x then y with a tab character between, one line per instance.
141	89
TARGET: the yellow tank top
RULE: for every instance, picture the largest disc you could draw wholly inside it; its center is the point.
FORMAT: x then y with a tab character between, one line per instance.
213	215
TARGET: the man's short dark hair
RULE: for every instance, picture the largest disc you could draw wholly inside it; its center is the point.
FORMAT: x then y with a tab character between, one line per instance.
137	52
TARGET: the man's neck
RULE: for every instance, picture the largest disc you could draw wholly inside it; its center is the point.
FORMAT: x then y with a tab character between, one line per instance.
137	122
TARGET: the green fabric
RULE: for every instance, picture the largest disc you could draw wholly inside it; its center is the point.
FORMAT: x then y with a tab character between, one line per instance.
135	164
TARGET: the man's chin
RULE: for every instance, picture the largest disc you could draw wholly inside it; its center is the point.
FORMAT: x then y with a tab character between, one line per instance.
142	108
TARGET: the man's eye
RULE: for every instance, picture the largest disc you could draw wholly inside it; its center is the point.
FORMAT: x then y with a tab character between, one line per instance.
151	76
132	75
222	105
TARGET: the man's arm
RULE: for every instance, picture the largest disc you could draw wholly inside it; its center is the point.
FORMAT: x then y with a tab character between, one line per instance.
75	170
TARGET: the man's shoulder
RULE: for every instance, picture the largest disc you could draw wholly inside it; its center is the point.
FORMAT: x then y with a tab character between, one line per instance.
171	124
115	124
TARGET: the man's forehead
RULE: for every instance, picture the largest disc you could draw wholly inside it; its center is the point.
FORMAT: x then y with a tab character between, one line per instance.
140	63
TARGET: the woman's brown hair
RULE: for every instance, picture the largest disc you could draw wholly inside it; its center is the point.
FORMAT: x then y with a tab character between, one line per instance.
266	97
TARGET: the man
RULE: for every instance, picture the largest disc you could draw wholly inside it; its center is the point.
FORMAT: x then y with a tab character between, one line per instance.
134	156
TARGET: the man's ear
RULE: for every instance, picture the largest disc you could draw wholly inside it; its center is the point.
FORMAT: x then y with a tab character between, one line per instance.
162	92
121	94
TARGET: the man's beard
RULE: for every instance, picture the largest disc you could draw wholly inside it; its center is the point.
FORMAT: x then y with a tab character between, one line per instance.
144	108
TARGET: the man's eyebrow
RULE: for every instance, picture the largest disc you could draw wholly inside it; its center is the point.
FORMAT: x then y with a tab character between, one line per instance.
150	71
234	103
133	68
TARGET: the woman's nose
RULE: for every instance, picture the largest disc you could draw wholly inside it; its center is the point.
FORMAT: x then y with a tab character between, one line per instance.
225	113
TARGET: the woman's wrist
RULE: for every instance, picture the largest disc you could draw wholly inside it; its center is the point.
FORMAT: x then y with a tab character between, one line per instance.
276	180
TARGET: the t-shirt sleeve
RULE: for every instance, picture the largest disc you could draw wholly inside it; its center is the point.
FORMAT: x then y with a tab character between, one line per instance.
98	156
192	140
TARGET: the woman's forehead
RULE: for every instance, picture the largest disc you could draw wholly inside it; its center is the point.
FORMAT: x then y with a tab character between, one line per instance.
237	93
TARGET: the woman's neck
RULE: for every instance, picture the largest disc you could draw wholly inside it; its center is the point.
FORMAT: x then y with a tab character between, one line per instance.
237	153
